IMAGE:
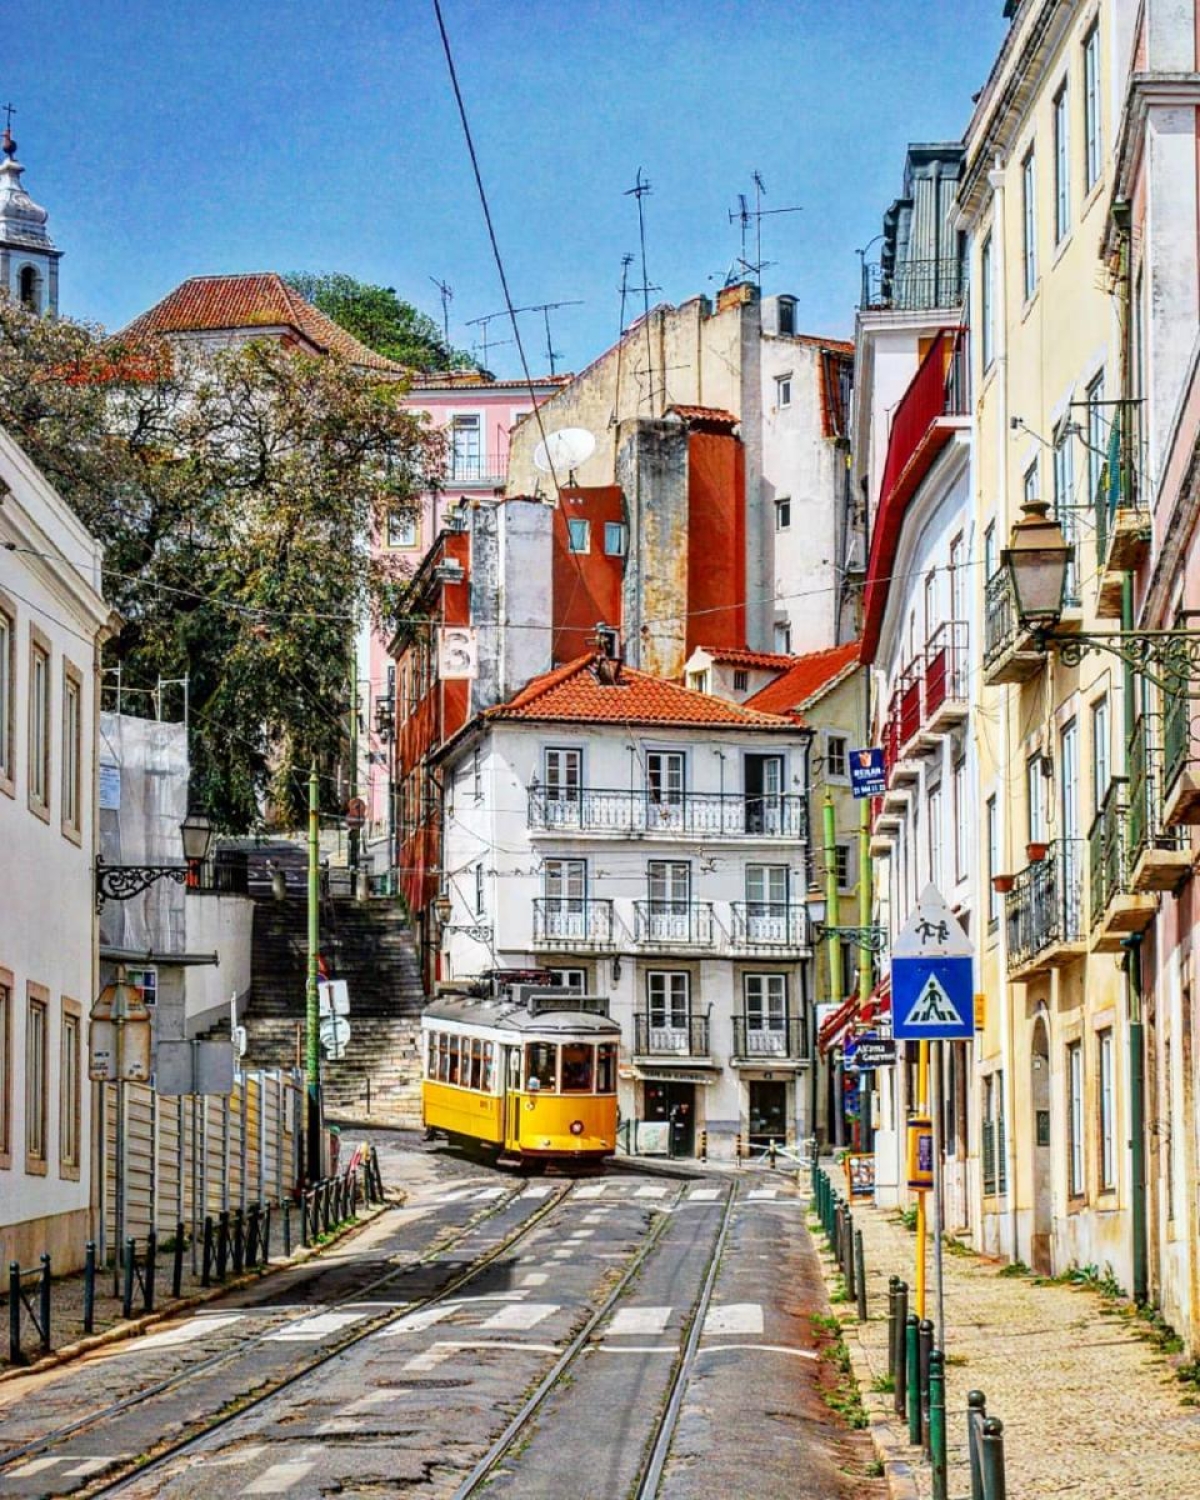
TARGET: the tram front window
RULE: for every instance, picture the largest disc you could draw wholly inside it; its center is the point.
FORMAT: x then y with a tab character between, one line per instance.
541	1066
606	1068
577	1068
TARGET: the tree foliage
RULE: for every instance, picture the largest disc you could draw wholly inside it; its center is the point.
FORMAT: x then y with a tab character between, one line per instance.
236	495
383	321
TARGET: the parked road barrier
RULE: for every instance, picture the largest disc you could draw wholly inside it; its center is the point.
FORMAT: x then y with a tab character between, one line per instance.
140	1273
38	1310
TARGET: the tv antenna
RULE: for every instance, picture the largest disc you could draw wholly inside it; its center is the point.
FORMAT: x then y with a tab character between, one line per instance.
545	308
447	295
744	215
483	340
639	190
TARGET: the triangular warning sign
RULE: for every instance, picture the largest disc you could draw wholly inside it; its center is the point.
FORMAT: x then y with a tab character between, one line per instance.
933	1006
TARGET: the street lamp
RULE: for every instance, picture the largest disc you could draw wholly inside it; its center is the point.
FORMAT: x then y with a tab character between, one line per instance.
1037	558
123	882
443	909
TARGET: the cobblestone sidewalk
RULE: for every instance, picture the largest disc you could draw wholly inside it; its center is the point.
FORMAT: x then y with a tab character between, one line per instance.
1090	1410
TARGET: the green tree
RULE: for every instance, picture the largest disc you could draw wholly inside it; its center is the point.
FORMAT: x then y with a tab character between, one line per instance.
236	495
382	320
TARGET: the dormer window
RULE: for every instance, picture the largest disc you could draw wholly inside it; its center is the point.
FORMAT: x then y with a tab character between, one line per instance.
787	315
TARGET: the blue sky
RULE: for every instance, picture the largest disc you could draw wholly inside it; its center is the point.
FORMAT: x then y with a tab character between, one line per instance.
171	139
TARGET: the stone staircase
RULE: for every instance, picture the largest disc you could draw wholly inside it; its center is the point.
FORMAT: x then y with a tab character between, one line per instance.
370	945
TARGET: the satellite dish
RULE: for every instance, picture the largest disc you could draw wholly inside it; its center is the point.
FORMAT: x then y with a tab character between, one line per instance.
564	450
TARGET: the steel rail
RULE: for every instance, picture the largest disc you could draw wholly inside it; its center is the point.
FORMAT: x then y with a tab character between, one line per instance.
440	1245
492	1458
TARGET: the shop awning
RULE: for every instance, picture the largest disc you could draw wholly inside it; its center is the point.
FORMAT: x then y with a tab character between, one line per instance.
835	1025
880	1003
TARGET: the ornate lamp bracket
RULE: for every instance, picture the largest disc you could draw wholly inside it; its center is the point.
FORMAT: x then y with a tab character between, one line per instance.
123	882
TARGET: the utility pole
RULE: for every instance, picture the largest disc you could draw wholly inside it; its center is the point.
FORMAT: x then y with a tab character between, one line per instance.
353	805
312	1055
832	924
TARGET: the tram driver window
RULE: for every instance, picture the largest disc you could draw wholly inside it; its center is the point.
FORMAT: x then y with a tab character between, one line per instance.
606	1068
489	1067
443	1057
541	1066
453	1078
576	1068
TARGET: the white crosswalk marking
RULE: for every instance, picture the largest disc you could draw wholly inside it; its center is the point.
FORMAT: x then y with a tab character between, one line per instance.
184	1333
414	1322
539	1190
369	1401
535	1278
485	1195
520	1315
241	1456
640	1320
704	1195
35	1466
734	1317
591	1190
763	1193
651	1192
562	1254
310	1329
280	1478
88	1466
581	1234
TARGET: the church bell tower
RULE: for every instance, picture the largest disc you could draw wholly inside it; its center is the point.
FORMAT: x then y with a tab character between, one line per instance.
28	256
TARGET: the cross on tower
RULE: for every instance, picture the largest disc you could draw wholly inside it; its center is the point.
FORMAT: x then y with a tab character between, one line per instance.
9	111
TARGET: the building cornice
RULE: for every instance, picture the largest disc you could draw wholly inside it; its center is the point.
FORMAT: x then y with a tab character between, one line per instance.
1146	91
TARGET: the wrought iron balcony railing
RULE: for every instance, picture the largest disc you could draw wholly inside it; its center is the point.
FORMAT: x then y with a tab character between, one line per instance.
1044	909
1108	852
912	286
476	471
674	924
572	922
1010	650
757	1040
1157	851
769	924
670	1036
947	667
710	814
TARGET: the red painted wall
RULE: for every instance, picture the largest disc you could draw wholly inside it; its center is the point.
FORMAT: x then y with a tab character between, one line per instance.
716	540
586	586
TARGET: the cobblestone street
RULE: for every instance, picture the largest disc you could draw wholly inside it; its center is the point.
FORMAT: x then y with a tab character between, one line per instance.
1090	1409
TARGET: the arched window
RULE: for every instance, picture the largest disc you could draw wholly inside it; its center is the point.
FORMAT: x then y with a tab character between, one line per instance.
29	287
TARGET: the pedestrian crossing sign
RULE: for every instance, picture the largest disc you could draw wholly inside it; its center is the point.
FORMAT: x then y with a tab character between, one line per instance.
932	999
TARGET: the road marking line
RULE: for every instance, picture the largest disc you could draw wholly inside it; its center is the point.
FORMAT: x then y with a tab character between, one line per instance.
310	1329
651	1192
419	1363
183	1333
639	1320
734	1317
766	1349
763	1193
581	1234
514	1296
370	1400
704	1195
541	1190
336	1425
535	1278
35	1466
88	1466
242	1456
521	1315
499	1344
591	1190
416	1321
485	1195
280	1477
562	1254
637	1348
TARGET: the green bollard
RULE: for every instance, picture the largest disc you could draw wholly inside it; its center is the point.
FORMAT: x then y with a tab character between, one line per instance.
937	1423
893	1283
924	1350
860	1276
976	1416
994	1486
900	1396
913	1379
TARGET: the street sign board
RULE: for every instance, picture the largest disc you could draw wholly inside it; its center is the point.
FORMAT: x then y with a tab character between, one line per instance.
335	1035
874	1052
933	994
868	777
333	997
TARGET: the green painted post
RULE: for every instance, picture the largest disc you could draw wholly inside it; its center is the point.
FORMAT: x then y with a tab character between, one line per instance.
900	1396
994	1484
913	1379
937	1423
312	1030
893	1283
860	1276
924	1350
976	1414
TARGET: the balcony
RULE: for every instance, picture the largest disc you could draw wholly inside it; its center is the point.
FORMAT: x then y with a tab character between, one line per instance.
675	926
1043	912
761	1044
1122	519
470	472
902	770
908	709
622	813
912	286
656	1037
562	922
1010	650
1116	908
1159	856
766	927
1181	758
947	681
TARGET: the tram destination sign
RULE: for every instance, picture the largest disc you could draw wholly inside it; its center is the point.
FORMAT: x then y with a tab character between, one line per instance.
932	973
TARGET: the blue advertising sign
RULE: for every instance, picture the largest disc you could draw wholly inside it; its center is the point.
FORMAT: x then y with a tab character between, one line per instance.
867	775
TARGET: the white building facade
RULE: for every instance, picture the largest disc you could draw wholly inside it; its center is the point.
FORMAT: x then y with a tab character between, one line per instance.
53	621
649	844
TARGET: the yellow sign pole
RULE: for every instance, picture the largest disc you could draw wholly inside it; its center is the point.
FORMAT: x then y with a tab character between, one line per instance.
923	1108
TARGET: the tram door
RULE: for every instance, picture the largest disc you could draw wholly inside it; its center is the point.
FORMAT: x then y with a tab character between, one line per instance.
512	1097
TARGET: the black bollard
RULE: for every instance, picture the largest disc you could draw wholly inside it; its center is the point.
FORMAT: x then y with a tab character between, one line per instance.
264	1238
222	1244
976	1415
45	1304
924	1350
287	1228
148	1279
89	1287
900	1400
891	1365
994	1485
127	1293
860	1276
239	1241
206	1267
912	1371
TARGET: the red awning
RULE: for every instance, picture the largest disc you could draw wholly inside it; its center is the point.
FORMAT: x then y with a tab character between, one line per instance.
835	1025
880	1003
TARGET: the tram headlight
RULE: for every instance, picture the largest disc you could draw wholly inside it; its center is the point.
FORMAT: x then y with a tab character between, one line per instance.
576	1127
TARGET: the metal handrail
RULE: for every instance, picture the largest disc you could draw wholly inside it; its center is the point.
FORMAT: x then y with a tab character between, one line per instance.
1001	622
913	285
946	665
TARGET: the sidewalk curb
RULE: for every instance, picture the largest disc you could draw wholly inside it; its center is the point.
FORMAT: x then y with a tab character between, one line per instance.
123	1331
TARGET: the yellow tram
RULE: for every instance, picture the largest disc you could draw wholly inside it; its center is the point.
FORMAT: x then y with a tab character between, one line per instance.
534	1079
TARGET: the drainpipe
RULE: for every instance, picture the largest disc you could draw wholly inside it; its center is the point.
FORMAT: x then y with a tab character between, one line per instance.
1133	1000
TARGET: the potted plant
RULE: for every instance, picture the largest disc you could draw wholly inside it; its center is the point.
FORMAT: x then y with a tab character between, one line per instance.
1002	883
1036	852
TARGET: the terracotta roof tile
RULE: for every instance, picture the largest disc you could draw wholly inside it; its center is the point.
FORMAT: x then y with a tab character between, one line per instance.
804	679
211	304
574	694
736	656
706	416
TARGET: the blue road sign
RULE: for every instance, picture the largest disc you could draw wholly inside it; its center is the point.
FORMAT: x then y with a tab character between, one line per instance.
933	999
868	778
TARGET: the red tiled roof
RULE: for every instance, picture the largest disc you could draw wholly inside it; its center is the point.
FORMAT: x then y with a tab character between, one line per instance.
738	656
804	679
574	694
706	416
472	379
211	304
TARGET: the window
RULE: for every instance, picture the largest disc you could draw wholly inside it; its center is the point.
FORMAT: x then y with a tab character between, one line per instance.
145	982
995	1151
465	452
783	390
480	903
72	750
931	608
565	883
958	578
6	1067
8	675
37	1038
668	996
783	513
39	723
579	536
993	862
615	539
1035	800
670	885
1075	1119
606	1068
1091	107
700	682
1064	506
835	756
541	1067
962	814
403	529
477	774
574	980
28	286
664	778
1101	773
766	1002
766	888
989	550
841	862
564	775
1029	483
578	1066
70	1098
986	296
1062	166
741	680
1029	216
935	836
1108	1122
783	638
787	315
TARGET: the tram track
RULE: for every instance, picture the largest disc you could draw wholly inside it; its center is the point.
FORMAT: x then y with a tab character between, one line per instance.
443	1244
